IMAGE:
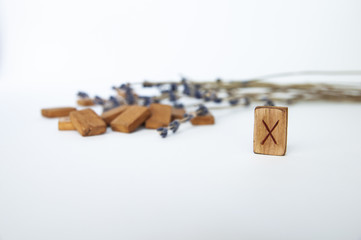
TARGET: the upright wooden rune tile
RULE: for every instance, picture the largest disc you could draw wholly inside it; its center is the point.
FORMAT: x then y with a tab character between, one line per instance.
270	130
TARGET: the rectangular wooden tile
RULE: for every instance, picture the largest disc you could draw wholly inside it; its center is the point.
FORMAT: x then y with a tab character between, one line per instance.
160	116
130	119
270	130
65	124
110	115
203	120
87	122
57	112
85	102
178	113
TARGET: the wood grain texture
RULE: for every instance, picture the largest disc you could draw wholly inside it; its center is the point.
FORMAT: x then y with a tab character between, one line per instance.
161	115
85	102
88	123
57	112
270	130
65	124
110	115
178	113
130	119
203	120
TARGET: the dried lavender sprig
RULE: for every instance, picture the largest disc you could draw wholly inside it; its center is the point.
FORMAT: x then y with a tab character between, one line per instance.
318	91
246	81
174	125
82	94
210	90
163	132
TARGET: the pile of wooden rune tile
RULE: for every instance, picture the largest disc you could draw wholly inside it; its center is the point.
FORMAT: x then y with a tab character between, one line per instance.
125	118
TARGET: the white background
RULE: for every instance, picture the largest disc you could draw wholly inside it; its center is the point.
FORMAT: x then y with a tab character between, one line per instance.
110	41
203	182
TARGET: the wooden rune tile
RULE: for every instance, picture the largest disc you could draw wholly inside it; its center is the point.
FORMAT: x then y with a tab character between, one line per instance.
110	115
178	113
270	130
203	120
57	112
85	102
87	122
130	119
65	124
160	116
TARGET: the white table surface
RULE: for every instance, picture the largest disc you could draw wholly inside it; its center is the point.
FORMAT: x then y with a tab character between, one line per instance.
201	183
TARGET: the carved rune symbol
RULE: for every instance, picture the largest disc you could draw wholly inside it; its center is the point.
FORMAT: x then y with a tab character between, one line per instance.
269	132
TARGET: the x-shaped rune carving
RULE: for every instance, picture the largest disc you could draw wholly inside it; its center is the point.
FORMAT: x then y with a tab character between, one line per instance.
269	132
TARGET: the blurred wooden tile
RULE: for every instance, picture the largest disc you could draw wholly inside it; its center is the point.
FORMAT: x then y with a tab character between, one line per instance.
87	122
65	124
57	112
160	116
130	119
85	102
203	120
110	115
178	113
270	130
